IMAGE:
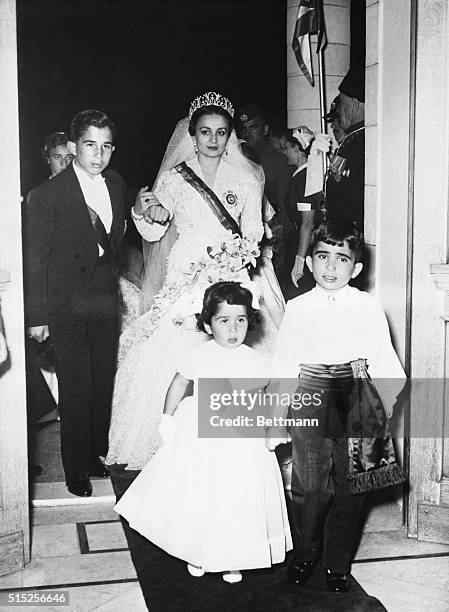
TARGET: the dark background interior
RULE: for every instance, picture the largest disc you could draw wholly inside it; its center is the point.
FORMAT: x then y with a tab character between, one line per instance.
141	61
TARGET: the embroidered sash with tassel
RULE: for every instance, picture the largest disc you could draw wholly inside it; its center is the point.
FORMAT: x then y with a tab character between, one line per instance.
350	395
372	461
209	197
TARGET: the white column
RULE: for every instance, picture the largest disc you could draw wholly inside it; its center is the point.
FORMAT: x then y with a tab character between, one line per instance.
387	121
303	100
14	529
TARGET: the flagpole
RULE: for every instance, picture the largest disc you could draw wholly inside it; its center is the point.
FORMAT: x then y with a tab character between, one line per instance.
322	121
322	91
322	107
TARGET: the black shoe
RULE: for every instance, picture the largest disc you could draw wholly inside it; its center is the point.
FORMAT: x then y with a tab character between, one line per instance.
79	484
98	469
337	583
299	572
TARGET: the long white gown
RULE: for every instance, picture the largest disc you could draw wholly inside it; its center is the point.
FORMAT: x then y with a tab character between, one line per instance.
217	503
151	346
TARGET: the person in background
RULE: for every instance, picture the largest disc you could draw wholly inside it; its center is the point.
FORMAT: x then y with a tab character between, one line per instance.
303	210
278	134
55	152
254	128
345	182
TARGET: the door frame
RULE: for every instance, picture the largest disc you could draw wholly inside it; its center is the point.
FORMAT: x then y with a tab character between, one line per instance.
14	505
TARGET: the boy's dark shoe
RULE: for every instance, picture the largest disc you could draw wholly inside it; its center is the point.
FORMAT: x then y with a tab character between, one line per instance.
299	572
337	583
98	469
79	484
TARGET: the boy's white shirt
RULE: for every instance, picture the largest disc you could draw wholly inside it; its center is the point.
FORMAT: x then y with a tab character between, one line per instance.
96	195
348	325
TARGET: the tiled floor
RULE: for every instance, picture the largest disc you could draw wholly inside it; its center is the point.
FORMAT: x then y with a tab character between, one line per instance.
404	574
88	559
79	546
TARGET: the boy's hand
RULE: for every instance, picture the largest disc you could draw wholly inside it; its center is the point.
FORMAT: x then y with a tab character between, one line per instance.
275	436
271	443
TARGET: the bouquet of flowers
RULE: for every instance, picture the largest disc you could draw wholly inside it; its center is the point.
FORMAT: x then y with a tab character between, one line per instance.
225	261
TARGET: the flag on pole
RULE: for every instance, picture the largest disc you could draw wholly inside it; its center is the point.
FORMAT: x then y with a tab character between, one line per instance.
309	21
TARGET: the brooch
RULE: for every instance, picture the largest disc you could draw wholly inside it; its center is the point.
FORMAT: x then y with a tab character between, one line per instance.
230	197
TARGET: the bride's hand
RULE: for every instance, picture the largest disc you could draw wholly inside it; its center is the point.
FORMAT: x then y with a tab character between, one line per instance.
149	207
156	213
144	199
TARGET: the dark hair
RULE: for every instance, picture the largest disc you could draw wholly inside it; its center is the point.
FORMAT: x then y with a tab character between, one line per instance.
85	119
209	109
51	141
294	141
336	232
232	293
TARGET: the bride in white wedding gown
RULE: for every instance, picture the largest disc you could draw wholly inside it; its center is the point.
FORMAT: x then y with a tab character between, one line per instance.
213	200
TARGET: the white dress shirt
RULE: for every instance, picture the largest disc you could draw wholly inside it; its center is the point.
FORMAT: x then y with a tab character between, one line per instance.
319	327
96	195
323	328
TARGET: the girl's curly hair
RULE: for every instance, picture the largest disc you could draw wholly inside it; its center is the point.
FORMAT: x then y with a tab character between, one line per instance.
232	293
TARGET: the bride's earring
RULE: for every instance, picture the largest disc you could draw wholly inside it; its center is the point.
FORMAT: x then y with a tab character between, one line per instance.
195	148
226	150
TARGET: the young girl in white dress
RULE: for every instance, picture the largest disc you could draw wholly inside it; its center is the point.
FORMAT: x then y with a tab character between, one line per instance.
217	503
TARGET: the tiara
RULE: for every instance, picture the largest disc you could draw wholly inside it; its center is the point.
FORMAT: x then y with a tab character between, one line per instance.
211	99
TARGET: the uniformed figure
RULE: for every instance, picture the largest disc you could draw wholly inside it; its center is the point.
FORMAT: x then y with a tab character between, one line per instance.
254	129
346	172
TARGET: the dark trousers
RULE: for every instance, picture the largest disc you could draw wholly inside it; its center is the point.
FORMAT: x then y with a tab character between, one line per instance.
85	353
325	512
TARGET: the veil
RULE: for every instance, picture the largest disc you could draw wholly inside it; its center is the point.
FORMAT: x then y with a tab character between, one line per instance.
155	254
180	149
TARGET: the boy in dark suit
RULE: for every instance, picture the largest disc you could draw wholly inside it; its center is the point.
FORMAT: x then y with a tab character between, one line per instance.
73	229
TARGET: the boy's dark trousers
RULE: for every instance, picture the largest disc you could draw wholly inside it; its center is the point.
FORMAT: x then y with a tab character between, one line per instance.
85	352
325	512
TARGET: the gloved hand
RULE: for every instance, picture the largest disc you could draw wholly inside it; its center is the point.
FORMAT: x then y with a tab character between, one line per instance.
321	144
166	428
